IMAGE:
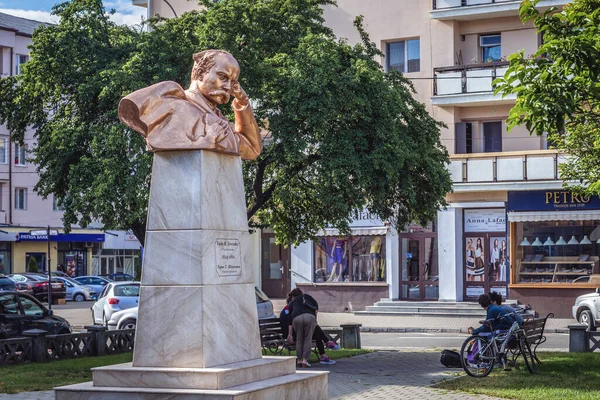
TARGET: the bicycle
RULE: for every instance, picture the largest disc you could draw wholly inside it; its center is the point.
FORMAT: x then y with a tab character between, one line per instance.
480	352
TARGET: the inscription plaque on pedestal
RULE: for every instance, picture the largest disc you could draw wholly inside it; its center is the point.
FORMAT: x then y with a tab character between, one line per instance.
229	257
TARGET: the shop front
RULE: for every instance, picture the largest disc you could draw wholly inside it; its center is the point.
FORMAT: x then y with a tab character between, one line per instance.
485	249
120	253
69	253
419	275
555	239
348	272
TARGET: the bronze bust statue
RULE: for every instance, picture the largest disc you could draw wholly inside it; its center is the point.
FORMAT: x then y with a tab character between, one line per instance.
171	118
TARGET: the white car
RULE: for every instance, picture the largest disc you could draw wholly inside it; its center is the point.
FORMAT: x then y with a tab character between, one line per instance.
127	319
115	297
587	310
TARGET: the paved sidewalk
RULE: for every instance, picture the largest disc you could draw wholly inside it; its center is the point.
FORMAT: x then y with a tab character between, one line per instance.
385	375
398	323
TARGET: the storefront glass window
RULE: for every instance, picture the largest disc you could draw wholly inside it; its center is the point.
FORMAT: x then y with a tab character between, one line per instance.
350	259
73	262
557	251
5	260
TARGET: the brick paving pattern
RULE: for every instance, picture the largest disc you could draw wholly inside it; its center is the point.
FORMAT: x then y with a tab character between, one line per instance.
385	375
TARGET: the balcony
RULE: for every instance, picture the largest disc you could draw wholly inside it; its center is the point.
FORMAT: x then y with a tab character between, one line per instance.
140	3
468	85
466	10
506	170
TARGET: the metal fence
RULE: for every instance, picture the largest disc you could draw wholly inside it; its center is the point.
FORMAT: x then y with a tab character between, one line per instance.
38	346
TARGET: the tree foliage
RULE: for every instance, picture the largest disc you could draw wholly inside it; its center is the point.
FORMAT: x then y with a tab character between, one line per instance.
32	265
343	135
558	90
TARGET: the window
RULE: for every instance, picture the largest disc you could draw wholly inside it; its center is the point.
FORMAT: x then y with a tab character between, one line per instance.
490	48
3	150
404	56
127	290
8	304
20	60
5	258
20	155
492	137
350	259
30	307
463	138
20	199
55	206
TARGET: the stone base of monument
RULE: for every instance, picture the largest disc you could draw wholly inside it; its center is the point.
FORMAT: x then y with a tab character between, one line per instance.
263	378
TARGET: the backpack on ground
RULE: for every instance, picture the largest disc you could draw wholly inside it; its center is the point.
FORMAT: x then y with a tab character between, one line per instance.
450	359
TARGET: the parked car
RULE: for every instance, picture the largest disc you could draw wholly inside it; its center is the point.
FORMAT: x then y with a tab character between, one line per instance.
586	310
116	296
127	319
119	277
37	286
20	312
263	304
76	291
95	282
7	284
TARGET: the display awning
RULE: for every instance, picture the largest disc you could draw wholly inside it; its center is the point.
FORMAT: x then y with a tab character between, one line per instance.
358	231
528	216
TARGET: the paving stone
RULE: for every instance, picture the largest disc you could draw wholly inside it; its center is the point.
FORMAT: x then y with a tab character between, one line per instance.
385	375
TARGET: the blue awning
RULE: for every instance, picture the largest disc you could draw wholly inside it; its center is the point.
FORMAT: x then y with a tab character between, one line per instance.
61	237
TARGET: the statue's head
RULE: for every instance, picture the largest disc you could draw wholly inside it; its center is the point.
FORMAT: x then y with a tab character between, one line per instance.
214	72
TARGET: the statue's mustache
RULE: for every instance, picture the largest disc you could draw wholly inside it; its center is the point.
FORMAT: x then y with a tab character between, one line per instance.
219	93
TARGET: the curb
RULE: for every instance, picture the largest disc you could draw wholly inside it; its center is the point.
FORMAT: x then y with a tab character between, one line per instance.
442	330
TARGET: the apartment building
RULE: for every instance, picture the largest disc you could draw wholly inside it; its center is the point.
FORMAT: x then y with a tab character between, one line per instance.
25	216
509	225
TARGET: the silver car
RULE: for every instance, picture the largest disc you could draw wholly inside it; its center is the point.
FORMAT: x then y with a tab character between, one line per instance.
586	310
98	283
76	291
116	296
127	319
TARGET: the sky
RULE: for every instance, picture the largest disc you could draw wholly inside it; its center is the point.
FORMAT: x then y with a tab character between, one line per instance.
39	10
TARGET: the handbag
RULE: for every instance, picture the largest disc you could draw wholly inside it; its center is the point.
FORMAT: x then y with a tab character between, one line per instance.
308	303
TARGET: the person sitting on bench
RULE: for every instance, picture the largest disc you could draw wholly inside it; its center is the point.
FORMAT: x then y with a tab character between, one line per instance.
494	313
497	300
318	336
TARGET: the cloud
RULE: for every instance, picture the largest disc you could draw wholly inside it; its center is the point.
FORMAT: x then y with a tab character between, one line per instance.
43	16
126	14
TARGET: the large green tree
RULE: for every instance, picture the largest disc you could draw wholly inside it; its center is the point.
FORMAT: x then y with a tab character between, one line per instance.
343	135
558	89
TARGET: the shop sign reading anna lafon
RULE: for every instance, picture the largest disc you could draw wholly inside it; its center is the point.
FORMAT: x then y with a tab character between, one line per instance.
229	257
485	220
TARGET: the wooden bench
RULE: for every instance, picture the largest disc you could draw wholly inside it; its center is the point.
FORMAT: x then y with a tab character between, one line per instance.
273	341
534	332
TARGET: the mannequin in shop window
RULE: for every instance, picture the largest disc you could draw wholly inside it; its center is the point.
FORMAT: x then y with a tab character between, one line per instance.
470	261
361	261
494	261
503	262
375	258
479	263
338	253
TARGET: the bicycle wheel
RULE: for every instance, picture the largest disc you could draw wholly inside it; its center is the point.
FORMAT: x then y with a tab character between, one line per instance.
477	356
527	354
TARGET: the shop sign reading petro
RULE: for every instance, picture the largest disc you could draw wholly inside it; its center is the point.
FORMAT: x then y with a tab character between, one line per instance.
485	220
551	200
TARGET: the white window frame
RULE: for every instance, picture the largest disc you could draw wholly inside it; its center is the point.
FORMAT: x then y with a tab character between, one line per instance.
18	62
20	194
387	55
5	152
55	206
484	46
20	161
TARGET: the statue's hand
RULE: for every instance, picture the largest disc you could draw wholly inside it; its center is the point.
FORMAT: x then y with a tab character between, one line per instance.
239	94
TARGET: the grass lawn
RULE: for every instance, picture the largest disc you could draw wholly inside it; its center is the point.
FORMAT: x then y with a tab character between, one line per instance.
45	376
333	354
562	376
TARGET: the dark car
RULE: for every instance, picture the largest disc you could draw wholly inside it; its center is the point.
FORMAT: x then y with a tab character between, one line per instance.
20	312
7	284
120	277
39	286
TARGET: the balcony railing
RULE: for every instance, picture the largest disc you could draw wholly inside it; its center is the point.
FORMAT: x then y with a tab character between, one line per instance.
518	166
443	4
473	78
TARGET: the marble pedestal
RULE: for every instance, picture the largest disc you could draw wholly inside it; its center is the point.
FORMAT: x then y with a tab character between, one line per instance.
197	331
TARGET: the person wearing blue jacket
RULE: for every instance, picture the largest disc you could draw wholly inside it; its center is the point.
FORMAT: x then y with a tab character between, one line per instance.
494	313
